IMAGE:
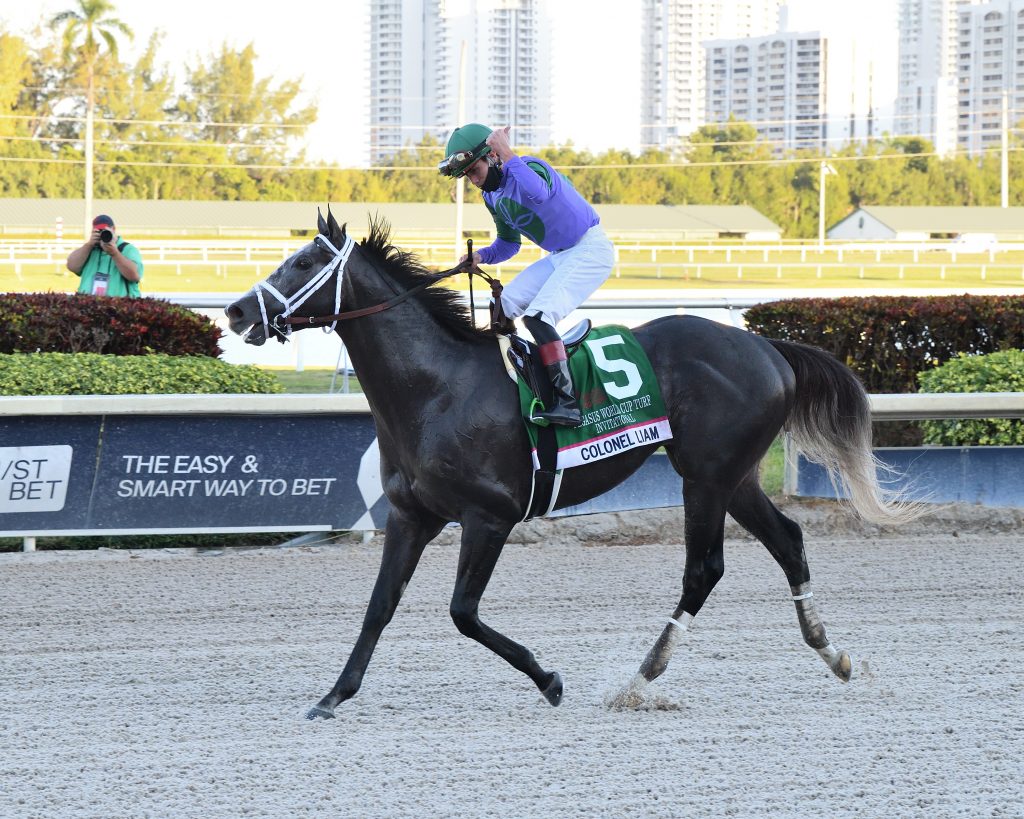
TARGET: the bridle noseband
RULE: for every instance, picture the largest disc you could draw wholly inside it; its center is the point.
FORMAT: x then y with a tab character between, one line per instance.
283	322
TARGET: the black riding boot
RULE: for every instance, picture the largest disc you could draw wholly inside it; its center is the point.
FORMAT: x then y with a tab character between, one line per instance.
565	412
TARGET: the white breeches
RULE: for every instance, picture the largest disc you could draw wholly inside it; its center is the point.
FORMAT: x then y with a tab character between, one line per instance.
552	287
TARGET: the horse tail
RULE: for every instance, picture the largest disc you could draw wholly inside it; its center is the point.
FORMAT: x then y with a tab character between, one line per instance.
830	423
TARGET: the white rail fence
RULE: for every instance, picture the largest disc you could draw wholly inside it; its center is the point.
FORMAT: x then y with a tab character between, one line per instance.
662	259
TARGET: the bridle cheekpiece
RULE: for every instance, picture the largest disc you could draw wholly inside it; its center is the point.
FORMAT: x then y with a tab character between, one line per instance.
281	322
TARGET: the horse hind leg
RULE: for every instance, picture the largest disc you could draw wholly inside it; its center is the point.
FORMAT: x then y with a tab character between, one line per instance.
704	531
753	510
482	542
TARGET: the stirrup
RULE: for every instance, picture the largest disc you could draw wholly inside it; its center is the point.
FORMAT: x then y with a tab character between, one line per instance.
538	415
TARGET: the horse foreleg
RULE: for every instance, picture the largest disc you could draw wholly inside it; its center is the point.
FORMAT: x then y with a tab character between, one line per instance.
753	510
405	537
482	543
704	516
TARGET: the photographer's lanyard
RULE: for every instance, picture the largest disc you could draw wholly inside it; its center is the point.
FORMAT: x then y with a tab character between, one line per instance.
101	277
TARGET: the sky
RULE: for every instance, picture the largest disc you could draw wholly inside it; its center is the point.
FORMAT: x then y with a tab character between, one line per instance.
596	63
595	99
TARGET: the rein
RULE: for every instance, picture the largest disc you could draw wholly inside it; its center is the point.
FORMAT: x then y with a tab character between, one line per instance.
285	321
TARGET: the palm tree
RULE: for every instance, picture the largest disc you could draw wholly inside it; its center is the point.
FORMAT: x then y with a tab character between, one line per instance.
82	48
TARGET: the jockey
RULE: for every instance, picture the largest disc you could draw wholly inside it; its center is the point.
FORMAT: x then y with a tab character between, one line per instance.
526	196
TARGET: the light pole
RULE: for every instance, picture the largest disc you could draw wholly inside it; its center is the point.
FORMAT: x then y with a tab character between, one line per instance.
826	170
460	183
1004	159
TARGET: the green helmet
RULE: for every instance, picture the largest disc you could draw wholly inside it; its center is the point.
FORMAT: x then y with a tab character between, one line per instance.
465	146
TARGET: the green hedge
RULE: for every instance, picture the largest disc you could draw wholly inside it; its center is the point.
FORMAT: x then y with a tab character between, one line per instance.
91	374
76	323
888	340
996	372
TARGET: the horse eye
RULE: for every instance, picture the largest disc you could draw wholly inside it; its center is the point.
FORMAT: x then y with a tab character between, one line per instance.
304	262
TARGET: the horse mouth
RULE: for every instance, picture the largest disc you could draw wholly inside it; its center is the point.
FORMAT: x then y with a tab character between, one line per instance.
239	323
255	336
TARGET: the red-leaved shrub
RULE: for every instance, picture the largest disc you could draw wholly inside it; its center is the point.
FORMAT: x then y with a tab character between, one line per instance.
888	340
74	323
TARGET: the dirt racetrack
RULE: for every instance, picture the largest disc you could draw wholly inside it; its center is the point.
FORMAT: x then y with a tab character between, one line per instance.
174	683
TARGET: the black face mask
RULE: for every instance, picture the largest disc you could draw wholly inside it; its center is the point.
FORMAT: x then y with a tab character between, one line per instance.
493	180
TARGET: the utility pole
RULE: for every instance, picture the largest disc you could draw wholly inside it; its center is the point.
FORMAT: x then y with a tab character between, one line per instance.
826	170
1004	180
91	91
1004	164
460	183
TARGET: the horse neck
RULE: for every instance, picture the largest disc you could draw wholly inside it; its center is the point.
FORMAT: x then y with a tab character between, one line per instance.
403	354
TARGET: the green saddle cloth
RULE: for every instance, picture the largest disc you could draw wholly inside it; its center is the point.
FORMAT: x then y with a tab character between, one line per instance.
618	397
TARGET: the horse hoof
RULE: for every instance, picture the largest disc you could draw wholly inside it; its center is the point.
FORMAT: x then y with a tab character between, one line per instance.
843	668
553	692
320	712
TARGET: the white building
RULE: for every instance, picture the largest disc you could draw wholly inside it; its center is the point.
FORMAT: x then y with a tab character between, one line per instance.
776	83
990	61
672	77
819	83
416	49
972	229
926	104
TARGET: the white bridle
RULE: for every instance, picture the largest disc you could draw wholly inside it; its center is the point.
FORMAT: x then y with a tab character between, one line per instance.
293	302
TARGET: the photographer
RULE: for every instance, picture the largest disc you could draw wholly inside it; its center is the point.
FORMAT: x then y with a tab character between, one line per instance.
107	265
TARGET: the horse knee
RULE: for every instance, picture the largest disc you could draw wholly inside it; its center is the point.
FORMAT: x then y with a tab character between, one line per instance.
465	618
793	530
714	569
379	613
700	580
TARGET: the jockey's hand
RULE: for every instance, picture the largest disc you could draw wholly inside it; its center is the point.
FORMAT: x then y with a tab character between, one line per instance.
476	258
498	142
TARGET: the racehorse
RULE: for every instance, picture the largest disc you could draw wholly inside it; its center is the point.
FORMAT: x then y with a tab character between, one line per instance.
453	444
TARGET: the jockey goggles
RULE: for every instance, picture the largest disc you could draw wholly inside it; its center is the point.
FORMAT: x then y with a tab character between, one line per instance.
458	163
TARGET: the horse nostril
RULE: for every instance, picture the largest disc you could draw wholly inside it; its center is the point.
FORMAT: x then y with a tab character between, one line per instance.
233	311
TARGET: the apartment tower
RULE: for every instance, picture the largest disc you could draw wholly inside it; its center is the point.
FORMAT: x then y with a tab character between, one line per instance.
673	70
417	68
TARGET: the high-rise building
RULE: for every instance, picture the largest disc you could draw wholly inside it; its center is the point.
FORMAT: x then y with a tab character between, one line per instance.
416	69
990	65
777	83
926	104
825	79
673	78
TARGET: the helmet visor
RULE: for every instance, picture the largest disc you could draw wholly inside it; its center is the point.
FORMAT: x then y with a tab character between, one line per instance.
458	163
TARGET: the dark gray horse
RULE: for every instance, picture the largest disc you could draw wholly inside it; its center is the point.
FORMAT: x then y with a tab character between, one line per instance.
453	445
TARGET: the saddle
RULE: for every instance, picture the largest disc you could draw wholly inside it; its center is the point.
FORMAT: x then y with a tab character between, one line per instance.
521	359
522	354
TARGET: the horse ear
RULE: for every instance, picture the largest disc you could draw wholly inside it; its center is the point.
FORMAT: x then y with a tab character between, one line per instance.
336	234
321	225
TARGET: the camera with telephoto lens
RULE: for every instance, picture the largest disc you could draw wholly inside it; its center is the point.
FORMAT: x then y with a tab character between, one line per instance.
106	235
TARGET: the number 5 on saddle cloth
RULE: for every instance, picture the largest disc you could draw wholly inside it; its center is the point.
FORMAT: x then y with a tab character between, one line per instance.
618	396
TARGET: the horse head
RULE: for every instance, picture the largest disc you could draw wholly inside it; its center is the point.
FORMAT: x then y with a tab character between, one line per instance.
310	279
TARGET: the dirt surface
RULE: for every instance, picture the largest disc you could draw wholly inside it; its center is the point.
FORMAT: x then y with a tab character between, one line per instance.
174	683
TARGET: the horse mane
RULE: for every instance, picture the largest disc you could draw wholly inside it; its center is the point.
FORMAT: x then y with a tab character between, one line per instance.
445	304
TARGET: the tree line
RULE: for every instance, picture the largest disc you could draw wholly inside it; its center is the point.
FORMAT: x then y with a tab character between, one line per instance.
227	134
